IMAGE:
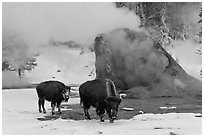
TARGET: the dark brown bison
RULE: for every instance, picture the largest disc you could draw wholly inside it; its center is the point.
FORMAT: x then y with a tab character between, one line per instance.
53	91
101	94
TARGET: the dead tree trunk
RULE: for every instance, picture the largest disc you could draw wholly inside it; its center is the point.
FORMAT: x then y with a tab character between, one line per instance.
19	73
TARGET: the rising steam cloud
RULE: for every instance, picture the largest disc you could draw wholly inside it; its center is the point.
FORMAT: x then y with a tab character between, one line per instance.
35	24
28	27
81	22
142	63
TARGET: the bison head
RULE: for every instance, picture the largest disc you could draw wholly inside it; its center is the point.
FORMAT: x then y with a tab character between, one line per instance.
66	93
113	103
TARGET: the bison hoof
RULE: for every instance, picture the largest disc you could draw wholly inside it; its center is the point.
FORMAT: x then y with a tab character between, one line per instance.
44	111
40	111
87	118
53	113
111	120
60	112
102	120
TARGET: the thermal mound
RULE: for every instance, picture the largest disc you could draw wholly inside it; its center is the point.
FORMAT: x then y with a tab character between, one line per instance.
140	67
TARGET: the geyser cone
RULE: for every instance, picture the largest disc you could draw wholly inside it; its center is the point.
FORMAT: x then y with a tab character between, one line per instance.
132	60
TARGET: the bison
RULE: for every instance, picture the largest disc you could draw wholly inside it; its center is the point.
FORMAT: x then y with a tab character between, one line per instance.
54	92
101	94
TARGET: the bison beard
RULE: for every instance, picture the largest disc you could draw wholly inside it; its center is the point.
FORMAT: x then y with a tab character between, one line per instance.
53	91
101	94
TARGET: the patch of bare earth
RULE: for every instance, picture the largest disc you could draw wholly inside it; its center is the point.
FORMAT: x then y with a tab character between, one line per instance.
151	105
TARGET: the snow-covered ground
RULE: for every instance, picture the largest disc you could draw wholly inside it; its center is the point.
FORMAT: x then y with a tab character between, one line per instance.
73	67
20	113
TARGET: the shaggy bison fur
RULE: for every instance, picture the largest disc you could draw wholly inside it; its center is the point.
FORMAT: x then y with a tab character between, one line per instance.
54	92
101	94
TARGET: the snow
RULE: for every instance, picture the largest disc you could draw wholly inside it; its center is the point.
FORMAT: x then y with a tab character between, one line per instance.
185	53
20	113
75	68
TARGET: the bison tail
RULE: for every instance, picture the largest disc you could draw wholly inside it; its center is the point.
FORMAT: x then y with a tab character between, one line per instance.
81	102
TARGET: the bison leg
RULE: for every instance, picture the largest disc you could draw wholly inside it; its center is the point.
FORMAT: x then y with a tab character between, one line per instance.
86	106
59	109
39	105
87	116
100	111
101	115
109	113
97	109
41	102
53	107
108	110
43	105
102	118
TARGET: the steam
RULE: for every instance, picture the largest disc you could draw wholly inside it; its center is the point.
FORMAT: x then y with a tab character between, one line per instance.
15	51
80	22
143	64
35	24
137	62
29	27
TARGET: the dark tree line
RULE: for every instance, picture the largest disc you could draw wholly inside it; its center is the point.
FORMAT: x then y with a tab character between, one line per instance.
163	20
28	66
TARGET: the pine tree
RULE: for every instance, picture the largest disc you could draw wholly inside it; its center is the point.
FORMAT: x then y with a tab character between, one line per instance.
162	20
16	55
28	66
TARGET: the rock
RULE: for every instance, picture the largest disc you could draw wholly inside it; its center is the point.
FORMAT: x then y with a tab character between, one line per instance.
198	115
168	108
163	107
99	132
172	133
141	112
128	109
173	108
